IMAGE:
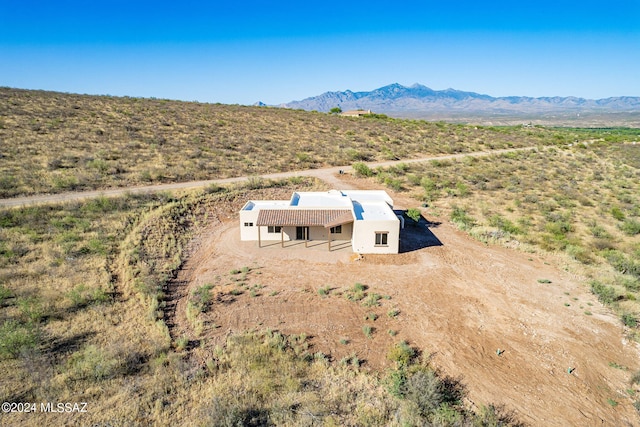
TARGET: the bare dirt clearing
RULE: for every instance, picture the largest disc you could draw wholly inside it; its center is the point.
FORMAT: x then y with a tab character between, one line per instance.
459	302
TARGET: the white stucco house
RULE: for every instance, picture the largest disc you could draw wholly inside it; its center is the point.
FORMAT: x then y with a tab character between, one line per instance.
365	217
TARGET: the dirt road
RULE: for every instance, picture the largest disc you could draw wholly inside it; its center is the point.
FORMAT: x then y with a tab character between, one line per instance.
326	174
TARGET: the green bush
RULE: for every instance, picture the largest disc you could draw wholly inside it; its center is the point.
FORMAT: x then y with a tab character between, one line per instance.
372	300
362	169
629	320
367	330
323	292
15	338
356	293
93	363
426	390
201	297
428	184
623	263
402	354
630	227
414	214
4	294
81	295
504	224
617	213
606	294
460	217
31	309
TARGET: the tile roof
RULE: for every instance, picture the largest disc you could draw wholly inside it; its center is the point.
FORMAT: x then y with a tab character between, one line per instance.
304	217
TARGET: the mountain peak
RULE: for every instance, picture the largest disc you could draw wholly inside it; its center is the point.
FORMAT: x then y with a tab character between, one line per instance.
421	101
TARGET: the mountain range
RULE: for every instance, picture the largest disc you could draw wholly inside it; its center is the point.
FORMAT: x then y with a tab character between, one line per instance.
418	101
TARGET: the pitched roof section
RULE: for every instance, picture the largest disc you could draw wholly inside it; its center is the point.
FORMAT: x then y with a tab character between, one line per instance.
304	217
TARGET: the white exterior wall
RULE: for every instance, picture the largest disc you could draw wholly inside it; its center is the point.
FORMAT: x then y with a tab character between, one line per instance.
364	236
315	233
321	233
250	233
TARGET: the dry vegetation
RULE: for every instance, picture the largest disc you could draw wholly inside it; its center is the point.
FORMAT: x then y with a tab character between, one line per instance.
582	202
84	310
53	142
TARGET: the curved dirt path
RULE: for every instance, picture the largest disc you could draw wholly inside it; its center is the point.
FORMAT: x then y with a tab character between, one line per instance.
460	302
326	174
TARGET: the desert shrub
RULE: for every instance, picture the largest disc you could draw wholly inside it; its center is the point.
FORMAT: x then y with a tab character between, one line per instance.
362	169
629	319
424	389
323	292
372	300
504	224
354	154
428	184
393	183
447	415
623	263
256	182
599	231
630	227
371	316
414	214
93	363
559	227
31	309
201	297
606	294
630	283
181	343
367	330
617	213
460	217
225	413
356	292
402	354
81	295
4	294
579	254
16	337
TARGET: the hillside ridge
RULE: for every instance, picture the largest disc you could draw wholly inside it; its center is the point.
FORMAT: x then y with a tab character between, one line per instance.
398	99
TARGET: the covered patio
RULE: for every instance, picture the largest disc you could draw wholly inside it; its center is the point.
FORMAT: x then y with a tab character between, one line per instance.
305	221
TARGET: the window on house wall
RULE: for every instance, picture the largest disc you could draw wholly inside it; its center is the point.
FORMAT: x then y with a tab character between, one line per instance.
336	230
274	229
382	238
248	224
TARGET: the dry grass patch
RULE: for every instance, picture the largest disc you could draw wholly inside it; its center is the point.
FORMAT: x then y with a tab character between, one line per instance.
58	142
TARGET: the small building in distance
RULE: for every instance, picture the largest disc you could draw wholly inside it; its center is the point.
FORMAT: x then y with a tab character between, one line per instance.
365	217
356	113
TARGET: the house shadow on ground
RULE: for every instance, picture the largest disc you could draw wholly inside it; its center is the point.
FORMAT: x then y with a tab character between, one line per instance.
417	235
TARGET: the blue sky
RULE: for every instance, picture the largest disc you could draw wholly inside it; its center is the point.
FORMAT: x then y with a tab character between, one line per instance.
276	52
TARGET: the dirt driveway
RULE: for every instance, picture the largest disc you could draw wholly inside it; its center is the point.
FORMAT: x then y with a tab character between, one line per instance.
458	300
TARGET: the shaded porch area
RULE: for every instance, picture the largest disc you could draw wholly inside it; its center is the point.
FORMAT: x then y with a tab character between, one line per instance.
311	227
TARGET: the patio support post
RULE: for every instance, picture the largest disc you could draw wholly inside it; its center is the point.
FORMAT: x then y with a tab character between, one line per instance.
259	244
282	236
